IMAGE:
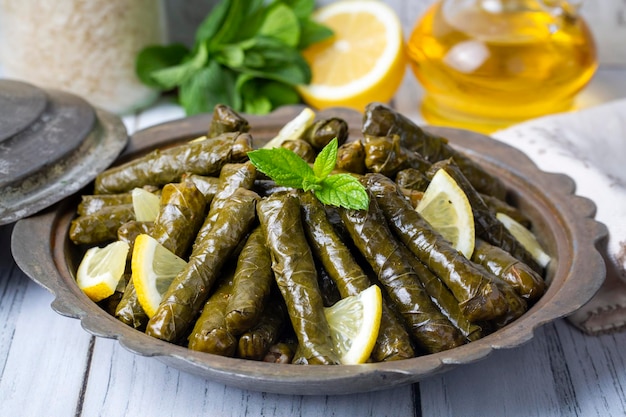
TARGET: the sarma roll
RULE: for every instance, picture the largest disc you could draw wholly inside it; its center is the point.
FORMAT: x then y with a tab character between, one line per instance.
295	274
478	297
192	286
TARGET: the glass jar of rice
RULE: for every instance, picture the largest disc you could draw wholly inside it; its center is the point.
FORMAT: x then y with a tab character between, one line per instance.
85	47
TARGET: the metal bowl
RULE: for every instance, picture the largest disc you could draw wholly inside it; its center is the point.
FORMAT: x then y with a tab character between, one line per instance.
563	222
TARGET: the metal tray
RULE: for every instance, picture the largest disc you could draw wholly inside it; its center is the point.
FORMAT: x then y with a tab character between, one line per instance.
563	221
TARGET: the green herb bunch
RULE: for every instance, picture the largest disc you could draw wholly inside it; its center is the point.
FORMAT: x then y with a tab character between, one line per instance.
246	55
286	168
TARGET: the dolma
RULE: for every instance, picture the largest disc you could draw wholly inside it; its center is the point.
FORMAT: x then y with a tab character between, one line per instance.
181	213
102	226
479	299
129	231
163	166
232	177
252	283
412	179
386	155
209	333
241	146
129	311
487	225
443	298
431	330
255	343
516	305
351	157
321	132
381	120
393	341
301	148
225	119
528	284
295	274
498	206
208	186
191	287
91	204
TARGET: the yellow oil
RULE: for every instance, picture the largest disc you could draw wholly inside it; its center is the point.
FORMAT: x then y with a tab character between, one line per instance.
485	69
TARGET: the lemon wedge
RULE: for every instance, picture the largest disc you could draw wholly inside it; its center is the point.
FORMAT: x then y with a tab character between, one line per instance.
101	269
446	207
354	322
145	204
293	129
154	267
526	238
363	62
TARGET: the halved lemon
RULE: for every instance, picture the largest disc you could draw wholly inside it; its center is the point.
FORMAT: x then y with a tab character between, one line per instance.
145	204
446	207
101	269
354	323
526	238
154	267
364	61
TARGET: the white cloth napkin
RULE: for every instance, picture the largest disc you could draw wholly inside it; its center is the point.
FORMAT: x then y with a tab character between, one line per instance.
589	146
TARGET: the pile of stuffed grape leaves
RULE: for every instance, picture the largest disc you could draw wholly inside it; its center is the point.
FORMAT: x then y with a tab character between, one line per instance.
264	259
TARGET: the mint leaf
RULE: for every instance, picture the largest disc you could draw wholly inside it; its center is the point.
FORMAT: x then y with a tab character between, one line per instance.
312	32
288	169
212	22
326	160
282	24
283	166
302	8
208	87
178	74
154	58
343	190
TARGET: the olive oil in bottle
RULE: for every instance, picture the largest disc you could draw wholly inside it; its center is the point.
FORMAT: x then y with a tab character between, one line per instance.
486	64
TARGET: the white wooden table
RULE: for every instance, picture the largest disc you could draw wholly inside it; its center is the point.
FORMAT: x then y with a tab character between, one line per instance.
49	366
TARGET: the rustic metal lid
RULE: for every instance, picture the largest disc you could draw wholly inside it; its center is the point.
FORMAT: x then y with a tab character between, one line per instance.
52	143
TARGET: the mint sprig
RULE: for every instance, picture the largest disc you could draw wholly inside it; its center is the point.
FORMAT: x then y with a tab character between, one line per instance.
286	168
246	55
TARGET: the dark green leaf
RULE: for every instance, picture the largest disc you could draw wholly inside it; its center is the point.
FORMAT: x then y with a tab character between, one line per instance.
282	165
230	55
301	8
211	85
282	24
154	58
312	32
173	76
213	21
343	190
326	160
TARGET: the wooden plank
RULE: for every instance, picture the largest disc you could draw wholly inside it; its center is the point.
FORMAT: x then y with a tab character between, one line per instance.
121	383
48	357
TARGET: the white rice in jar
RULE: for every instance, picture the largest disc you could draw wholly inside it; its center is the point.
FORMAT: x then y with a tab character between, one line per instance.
85	47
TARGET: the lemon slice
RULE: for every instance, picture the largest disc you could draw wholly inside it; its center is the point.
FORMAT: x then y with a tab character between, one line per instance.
354	322
526	238
363	62
293	129
154	268
446	207
101	269
145	204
